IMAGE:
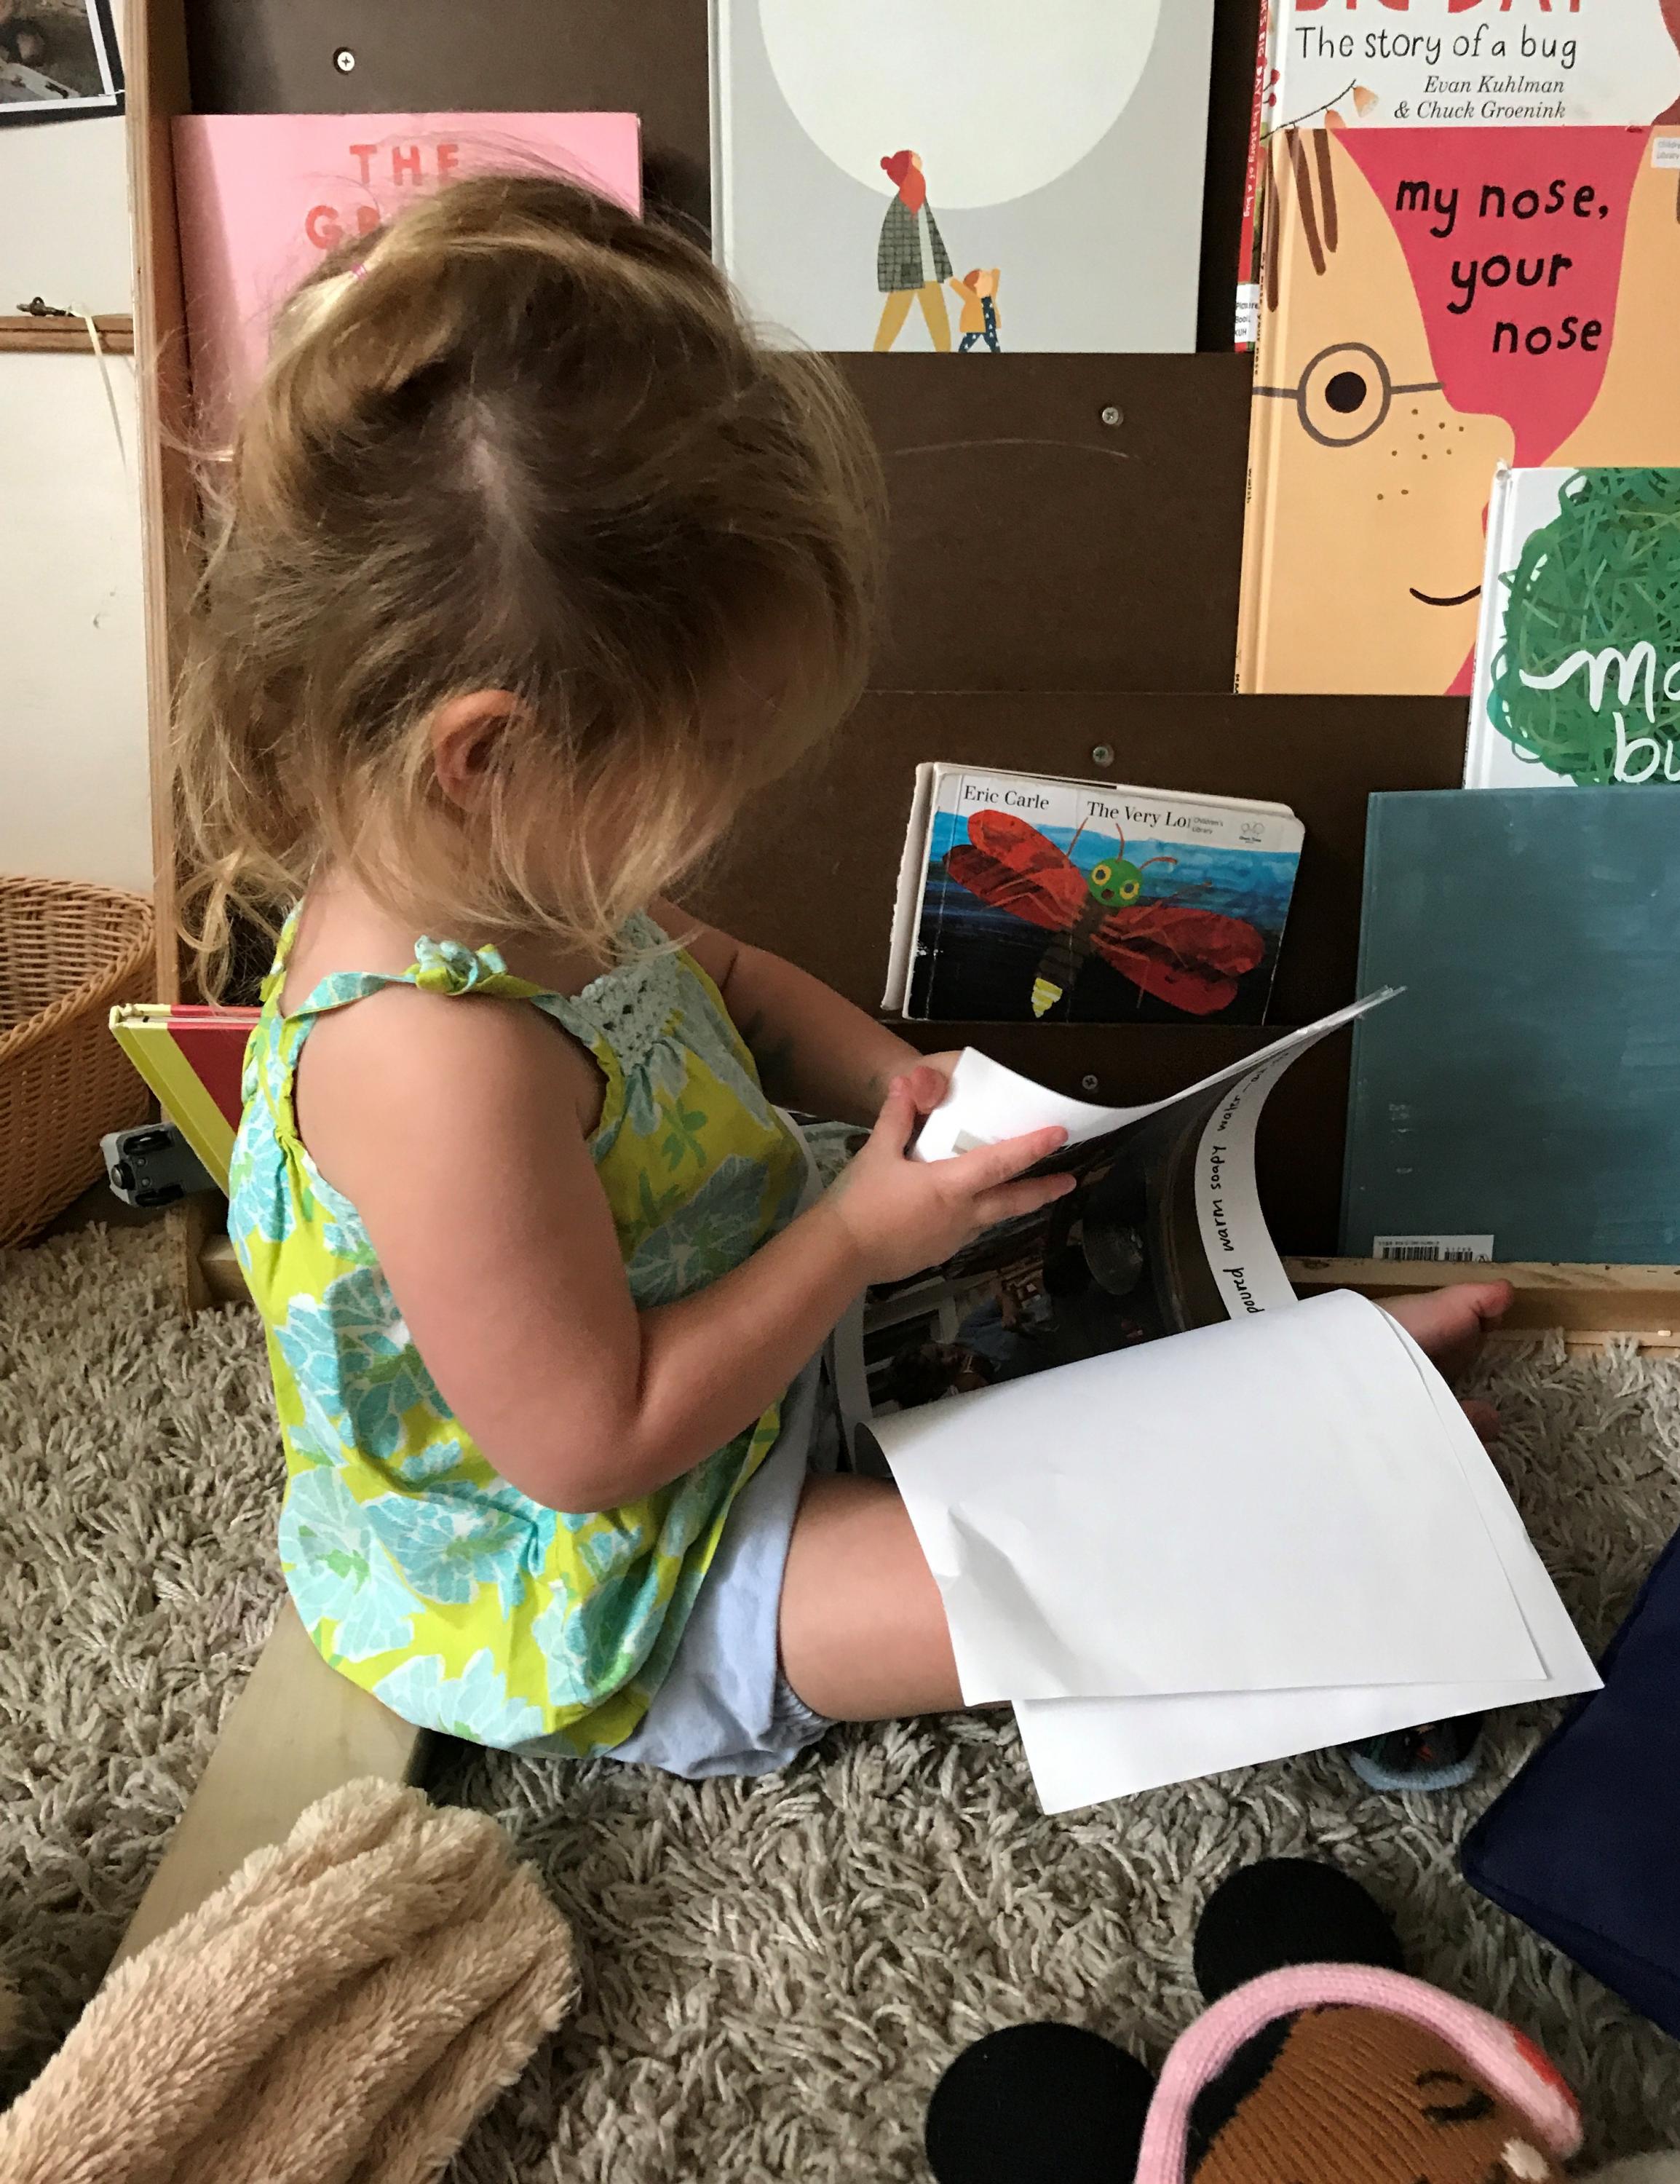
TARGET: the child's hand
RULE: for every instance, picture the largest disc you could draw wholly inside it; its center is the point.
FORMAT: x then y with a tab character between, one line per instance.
942	1065
903	1215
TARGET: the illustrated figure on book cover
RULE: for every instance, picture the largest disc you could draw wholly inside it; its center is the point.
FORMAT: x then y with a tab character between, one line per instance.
910	259
1374	482
978	291
1437	302
1180	953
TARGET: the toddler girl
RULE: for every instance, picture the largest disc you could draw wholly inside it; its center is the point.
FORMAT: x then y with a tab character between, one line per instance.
533	565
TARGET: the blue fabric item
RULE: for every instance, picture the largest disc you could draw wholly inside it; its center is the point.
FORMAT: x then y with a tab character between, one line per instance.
725	1707
1376	1776
1581	1846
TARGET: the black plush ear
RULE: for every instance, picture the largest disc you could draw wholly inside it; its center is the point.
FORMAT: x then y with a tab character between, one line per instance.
1038	2104
1288	1911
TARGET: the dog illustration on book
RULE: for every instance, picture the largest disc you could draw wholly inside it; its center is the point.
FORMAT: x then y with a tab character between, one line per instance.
1189	957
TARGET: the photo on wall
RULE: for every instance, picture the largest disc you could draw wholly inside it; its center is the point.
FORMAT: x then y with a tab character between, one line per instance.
58	61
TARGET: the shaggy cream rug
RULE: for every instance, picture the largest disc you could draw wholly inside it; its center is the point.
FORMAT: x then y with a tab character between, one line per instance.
139	1472
776	1972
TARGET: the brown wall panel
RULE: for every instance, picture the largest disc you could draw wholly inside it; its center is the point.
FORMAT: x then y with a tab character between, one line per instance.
1035	546
646	57
814	866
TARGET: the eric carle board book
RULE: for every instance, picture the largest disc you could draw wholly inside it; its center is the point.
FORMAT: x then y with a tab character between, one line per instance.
1024	897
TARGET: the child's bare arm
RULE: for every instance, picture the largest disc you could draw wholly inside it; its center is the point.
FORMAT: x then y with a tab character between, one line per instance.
459	1131
815	1050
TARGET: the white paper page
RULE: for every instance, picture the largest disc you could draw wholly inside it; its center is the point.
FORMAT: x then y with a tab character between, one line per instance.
1240	1253
1263	1504
987	1102
912	886
1083	1751
1555	1636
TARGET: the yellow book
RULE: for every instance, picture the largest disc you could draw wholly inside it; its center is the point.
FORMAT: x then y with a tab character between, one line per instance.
193	1058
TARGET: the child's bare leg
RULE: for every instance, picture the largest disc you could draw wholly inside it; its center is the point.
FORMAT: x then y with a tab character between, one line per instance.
863	1628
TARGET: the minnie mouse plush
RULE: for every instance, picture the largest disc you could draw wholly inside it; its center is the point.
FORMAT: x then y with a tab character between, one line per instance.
1318	2061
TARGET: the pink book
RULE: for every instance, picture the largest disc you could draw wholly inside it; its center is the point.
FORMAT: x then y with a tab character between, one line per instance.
261	196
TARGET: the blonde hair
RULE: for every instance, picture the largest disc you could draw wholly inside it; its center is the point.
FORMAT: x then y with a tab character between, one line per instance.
516	440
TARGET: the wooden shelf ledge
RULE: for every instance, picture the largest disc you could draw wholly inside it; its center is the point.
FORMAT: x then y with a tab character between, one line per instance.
1589	1304
28	336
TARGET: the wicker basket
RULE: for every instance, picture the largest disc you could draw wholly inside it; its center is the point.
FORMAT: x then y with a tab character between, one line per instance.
67	955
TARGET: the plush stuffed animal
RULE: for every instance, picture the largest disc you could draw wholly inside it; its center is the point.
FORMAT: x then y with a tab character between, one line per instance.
1318	2061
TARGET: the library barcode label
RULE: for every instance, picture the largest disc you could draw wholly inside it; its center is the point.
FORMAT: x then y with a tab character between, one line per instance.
1446	1250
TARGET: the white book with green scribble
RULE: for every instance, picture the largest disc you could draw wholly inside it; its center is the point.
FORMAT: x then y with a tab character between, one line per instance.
1577	656
969	177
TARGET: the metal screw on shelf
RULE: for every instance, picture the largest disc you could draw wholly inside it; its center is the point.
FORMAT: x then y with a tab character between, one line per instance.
1088	1082
1102	754
1112	413
344	60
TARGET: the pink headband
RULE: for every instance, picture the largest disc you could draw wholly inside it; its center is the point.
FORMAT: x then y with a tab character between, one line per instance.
1504	2061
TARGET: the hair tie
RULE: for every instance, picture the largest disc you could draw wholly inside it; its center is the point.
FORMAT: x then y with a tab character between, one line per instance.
358	271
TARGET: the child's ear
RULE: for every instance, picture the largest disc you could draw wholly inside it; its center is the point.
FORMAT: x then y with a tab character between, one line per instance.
1038	2100
465	732
1288	1911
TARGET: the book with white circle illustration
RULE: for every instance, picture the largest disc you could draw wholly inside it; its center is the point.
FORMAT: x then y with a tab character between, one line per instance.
969	177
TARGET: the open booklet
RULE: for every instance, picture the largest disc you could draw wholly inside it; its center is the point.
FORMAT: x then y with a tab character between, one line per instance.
1164	1233
1273	1532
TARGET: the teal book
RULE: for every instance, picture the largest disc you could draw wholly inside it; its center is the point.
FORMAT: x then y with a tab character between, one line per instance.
1518	1100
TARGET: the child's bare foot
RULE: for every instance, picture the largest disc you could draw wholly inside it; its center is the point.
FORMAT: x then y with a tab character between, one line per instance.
1448	1324
1484	1420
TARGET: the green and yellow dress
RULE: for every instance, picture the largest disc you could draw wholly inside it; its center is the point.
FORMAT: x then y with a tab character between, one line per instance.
419	1573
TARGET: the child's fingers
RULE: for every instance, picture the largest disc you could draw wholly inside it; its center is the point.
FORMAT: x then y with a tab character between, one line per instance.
898	1119
1010	1201
987	1166
926	1089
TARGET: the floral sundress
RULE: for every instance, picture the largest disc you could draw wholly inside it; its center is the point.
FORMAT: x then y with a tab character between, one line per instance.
419	1571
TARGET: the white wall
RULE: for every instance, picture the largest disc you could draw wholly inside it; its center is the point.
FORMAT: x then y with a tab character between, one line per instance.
65	187
74	802
74	799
